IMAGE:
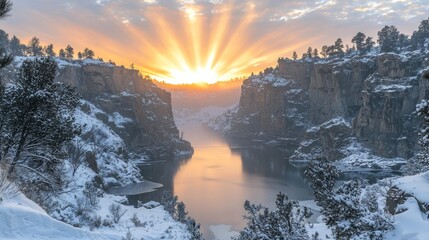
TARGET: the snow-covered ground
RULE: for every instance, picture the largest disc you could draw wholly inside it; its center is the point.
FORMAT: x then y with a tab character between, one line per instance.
360	158
23	219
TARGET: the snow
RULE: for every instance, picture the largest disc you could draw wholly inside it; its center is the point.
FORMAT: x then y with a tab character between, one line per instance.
23	219
91	122
269	79
410	224
119	120
360	158
321	228
416	185
88	61
128	94
62	63
391	88
329	124
311	204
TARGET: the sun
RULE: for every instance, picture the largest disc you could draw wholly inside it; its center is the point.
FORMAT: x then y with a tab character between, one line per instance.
201	43
188	76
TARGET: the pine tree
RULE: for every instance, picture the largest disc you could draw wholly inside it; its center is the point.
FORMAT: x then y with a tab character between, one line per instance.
294	55
403	41
169	202
324	51
347	210
5	58
4	40
388	39
69	52
5	7
285	222
34	48
38	117
16	48
338	47
62	54
88	53
359	41
49	50
310	52
181	212
79	55
419	37
315	53
322	175
369	44
178	212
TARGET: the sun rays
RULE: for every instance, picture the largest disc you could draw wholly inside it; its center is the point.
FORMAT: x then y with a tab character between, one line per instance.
187	46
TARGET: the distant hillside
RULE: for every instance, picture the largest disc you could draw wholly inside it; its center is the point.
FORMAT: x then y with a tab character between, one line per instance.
198	96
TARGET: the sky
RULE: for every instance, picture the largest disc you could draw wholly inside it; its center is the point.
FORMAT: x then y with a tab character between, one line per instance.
181	41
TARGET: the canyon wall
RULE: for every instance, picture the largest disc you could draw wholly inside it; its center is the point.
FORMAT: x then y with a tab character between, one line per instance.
132	106
324	106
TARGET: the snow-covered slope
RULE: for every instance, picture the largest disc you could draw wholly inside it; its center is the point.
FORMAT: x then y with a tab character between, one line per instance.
114	118
23	219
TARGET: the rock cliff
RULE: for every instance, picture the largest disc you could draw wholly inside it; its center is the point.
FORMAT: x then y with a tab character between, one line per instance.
132	106
323	106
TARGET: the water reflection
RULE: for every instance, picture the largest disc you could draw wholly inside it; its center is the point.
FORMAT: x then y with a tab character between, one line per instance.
217	179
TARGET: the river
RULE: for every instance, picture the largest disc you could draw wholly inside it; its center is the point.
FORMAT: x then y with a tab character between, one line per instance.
220	176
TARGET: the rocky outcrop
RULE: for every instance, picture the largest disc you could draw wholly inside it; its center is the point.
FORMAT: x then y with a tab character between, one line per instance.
328	139
389	98
270	107
374	95
135	108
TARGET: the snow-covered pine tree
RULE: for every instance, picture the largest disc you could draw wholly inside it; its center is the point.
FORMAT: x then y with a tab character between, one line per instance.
322	176
345	210
181	212
38	117
388	38
419	37
194	229
178	211
5	58
285	222
369	44
169	202
359	41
